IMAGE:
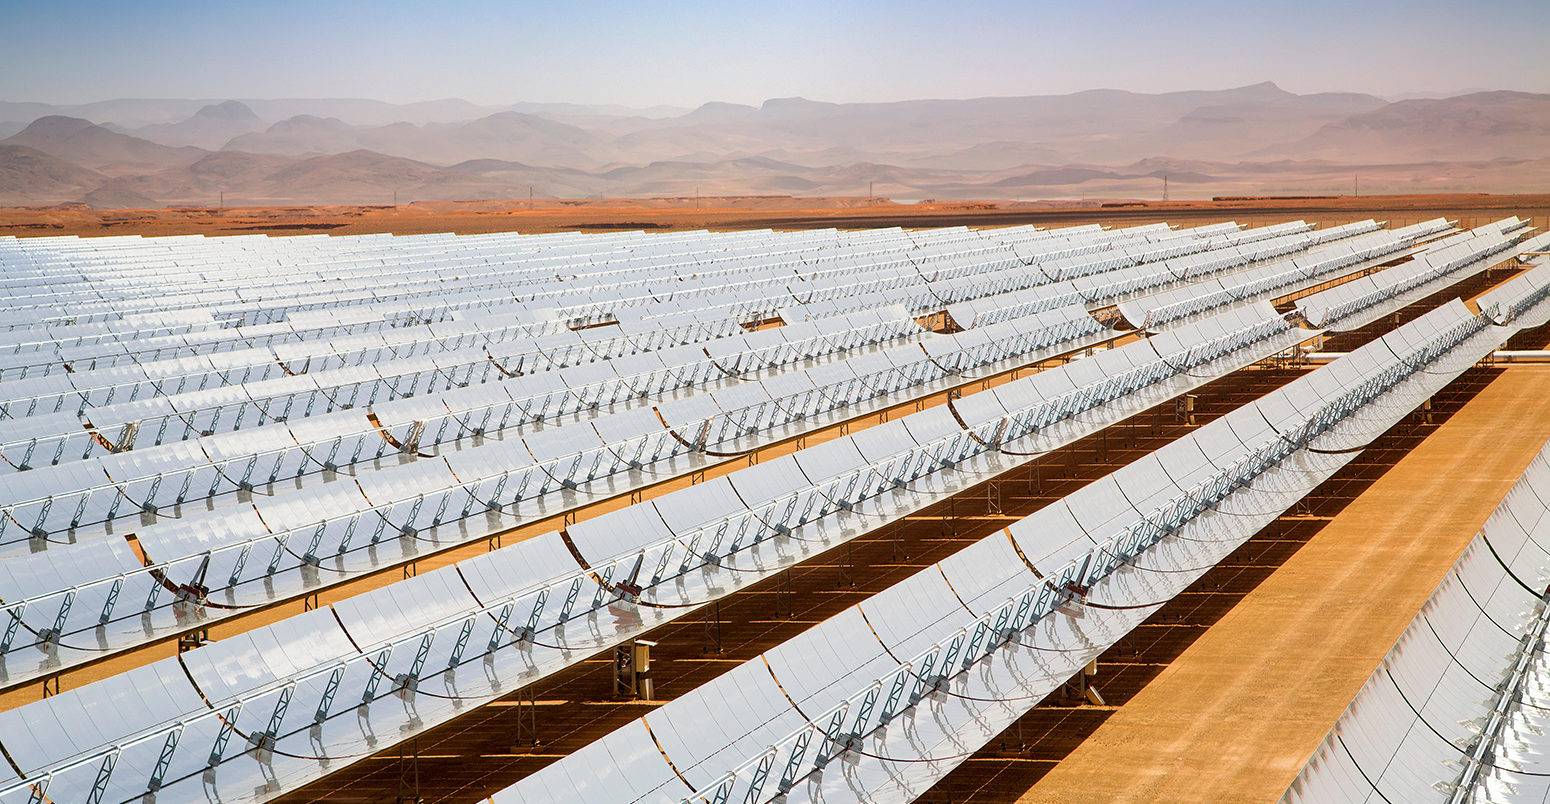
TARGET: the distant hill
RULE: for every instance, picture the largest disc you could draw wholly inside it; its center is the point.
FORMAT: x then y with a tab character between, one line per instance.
356	177
519	179
1483	125
1105	126
1219	131
30	176
510	136
92	146
236	176
132	113
115	195
209	128
302	135
1258	139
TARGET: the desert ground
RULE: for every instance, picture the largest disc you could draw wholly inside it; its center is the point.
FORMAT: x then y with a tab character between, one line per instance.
750	212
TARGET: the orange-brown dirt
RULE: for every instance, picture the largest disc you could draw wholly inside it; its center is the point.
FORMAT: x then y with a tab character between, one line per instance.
746	212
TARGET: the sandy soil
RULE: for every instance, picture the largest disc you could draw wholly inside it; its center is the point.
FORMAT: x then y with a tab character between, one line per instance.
746	212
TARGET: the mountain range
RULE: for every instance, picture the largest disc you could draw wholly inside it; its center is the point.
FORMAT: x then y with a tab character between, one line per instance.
1257	139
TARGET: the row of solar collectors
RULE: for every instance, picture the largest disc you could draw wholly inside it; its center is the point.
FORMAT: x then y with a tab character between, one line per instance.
244	347
1283	276
907	282
576	380
271	257
620	279
934	289
602	252
47	357
25	456
777	335
339	279
881	701
1184	275
111	499
1517	301
83	358
274	264
724	293
81	390
547	367
79	581
847	290
246	390
189	419
237	397
1456	711
1119	275
1104	282
450	284
510	622
288	276
49	583
1012	287
452	290
932	296
1443	264
481	627
1098	257
149	478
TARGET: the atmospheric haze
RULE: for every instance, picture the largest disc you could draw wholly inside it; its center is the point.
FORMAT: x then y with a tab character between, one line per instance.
981	100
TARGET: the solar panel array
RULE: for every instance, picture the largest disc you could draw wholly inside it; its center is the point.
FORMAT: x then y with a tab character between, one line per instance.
1518	300
1443	264
492	423
196	428
882	700
1283	276
514	613
1456	712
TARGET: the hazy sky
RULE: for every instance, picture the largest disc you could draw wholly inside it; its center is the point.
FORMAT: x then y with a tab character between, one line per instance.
684	54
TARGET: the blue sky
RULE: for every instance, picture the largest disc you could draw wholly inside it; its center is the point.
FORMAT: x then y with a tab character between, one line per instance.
685	54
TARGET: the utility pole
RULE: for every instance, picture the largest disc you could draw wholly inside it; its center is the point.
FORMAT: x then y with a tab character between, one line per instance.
530	196
869	194
1356	184
1165	188
395	198
223	199
696	196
